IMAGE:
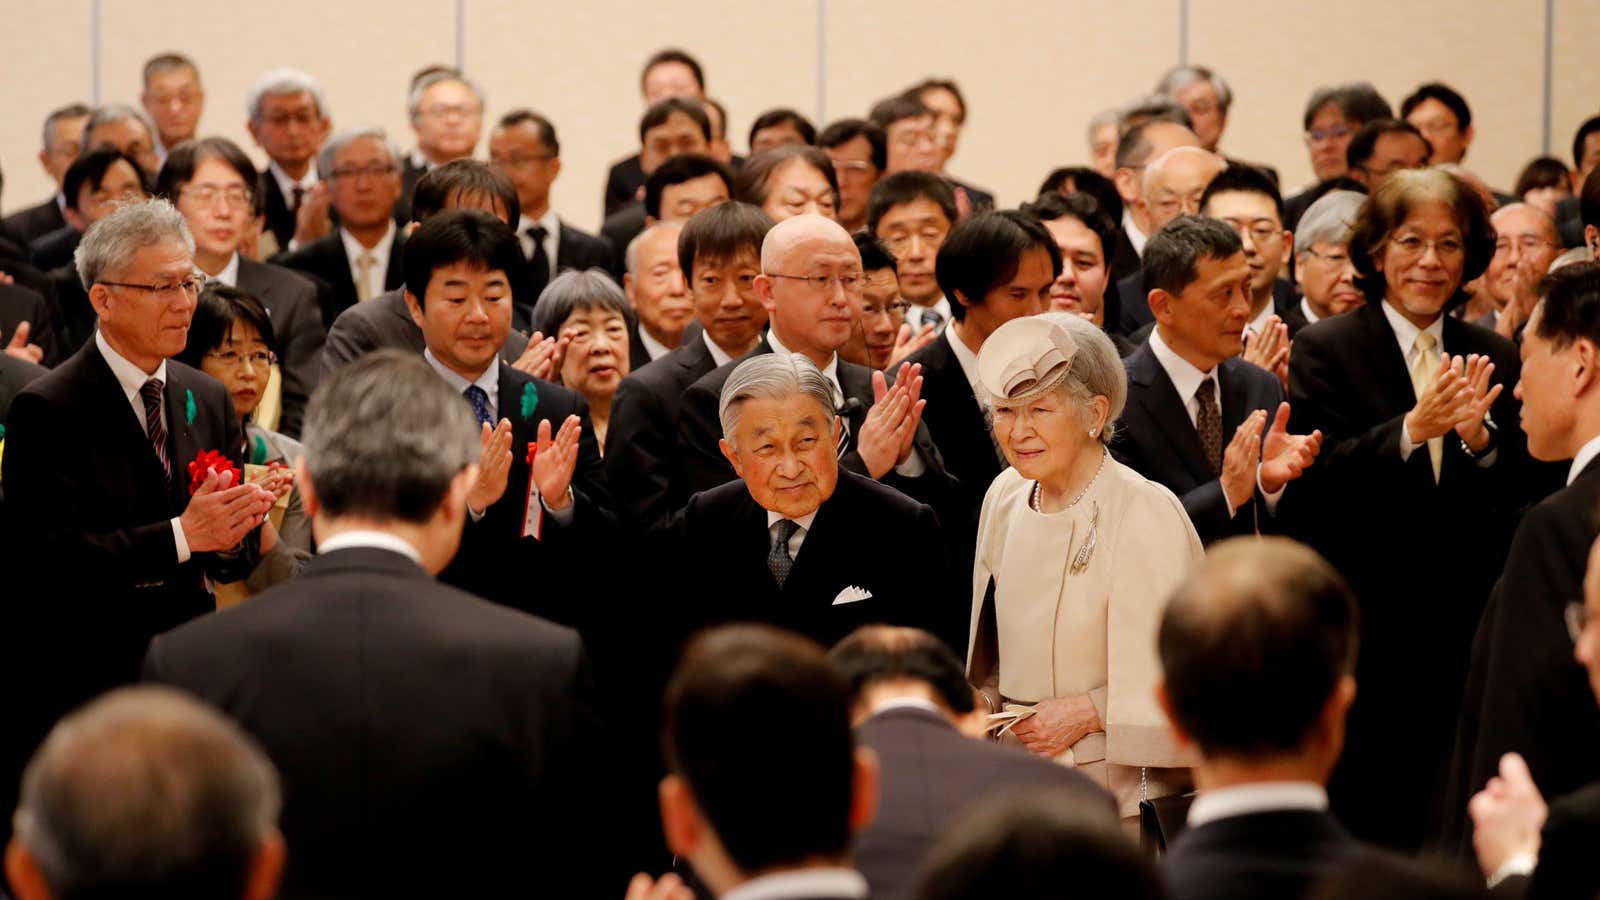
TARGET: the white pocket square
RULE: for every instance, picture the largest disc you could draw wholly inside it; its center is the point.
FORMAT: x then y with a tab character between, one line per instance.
851	594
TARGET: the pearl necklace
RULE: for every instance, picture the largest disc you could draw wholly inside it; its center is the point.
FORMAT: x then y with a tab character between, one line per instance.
1034	498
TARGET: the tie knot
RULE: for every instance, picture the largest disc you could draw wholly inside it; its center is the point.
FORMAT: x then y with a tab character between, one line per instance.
479	398
1425	341
151	390
537	232
366	259
1206	389
786	530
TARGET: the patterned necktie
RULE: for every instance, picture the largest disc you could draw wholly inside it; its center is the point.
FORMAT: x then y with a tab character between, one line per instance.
1422	370
154	427
778	558
480	404
538	262
364	264
1209	423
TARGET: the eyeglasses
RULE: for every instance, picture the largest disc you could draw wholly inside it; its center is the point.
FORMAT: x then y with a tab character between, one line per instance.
1333	259
448	110
892	310
1527	245
374	170
850	281
1337	132
1444	248
260	359
1577	618
192	286
207	194
1261	232
284	120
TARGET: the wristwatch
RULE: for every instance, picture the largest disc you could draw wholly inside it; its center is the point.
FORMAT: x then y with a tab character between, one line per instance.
1494	440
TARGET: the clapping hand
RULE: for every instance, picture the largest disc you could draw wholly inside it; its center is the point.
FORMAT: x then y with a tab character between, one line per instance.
311	220
1446	401
19	347
909	341
1480	396
1507	815
1241	458
279	480
1524	297
494	467
1057	724
220	513
544	356
1270	348
890	428
1285	456
555	460
669	887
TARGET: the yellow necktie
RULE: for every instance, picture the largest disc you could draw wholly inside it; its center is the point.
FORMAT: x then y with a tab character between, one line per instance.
364	264
1422	372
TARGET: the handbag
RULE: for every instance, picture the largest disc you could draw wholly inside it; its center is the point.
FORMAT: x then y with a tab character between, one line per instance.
1161	820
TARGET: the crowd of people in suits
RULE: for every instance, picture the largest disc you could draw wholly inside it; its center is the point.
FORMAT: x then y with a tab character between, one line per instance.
815	529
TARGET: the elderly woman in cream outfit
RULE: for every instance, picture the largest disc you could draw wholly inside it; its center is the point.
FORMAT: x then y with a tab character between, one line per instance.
1076	556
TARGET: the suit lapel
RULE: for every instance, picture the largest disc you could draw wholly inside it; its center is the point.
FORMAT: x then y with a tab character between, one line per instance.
1153	390
182	440
523	430
1235	398
394	275
1389	369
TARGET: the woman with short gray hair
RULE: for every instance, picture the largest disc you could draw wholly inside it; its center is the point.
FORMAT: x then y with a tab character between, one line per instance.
1076	555
591	314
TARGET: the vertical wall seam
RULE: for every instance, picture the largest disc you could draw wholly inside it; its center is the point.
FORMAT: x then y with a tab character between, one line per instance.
1183	32
1549	71
94	52
461	35
822	61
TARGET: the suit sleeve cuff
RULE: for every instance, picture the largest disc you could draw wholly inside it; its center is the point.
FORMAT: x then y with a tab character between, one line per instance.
1271	497
913	467
1519	864
1405	442
560	516
476	515
179	541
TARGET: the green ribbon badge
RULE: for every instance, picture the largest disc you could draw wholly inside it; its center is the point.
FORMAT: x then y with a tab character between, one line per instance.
188	407
259	452
530	400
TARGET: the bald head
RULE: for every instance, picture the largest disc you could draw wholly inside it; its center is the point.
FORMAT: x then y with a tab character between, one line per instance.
800	235
1261	623
805	318
1175	182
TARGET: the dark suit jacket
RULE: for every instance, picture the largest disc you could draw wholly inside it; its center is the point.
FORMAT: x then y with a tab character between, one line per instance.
978	199
15	374
1569	222
931	775
623	183
619	229
863	536
1525	692
427	741
55	248
1421	555
325	258
1566	851
73	316
955	419
280	218
18	305
35	222
291	301
1276	855
644	466
1156	439
410	174
1124	262
1295	318
548	577
577	250
385	321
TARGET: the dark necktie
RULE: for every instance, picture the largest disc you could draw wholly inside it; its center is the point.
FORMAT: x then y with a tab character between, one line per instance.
538	263
299	197
154	427
1209	423
931	316
480	404
778	558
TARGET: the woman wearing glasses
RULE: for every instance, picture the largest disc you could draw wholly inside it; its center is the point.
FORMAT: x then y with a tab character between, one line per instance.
231	339
592	312
1414	495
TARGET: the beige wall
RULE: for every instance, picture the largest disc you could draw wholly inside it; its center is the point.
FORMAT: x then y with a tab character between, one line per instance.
1033	72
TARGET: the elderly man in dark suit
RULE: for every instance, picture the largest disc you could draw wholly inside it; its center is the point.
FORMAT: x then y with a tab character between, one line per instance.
1524	692
539	503
1258	652
63	131
719	252
1200	420
914	708
124	522
442	730
289	120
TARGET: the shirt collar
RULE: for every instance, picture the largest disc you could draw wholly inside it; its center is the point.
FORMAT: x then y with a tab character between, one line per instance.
489	379
353	248
230	272
1308	312
1586	455
1406	333
1259	323
287	185
845	884
61	203
829	371
129	376
380	540
969	364
1266	796
419	160
1135	237
718	355
804	521
652	347
1185	377
906	703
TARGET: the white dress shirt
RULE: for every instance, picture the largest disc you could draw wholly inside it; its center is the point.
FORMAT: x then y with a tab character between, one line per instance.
1259	323
969	366
718	355
379	540
844	884
380	252
1308	312
1135	237
286	184
1265	796
1585	455
796	539
230	272
652	347
913	467
1187	379
131	379
552	236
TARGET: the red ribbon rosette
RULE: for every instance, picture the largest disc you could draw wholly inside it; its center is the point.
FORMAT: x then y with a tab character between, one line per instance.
207	460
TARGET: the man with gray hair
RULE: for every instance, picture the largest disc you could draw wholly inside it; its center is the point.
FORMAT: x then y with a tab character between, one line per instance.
361	258
63	129
1322	268
658	288
1141	142
289	119
1204	95
173	98
1526	245
1172	186
122	468
146	792
429	742
446	113
799	541
120	126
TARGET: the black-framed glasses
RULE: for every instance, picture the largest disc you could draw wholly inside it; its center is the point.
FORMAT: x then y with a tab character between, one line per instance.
261	359
850	281
192	286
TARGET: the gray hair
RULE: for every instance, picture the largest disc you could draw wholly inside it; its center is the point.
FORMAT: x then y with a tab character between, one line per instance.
70	111
1330	220
1096	370
384	436
108	113
284	83
110	243
772	376
146	787
1180	77
336	144
414	101
570	292
1103	118
631	256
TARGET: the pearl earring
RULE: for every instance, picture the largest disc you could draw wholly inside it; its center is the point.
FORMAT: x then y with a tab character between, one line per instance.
1092	431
